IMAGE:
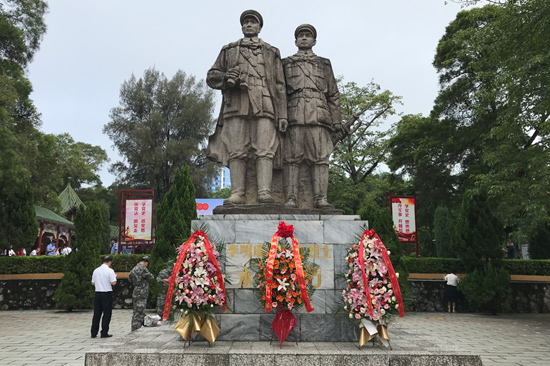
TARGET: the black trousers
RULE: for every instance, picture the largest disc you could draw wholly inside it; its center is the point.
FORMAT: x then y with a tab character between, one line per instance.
103	304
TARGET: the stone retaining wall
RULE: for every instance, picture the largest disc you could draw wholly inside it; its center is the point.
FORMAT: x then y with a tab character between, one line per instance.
527	297
38	294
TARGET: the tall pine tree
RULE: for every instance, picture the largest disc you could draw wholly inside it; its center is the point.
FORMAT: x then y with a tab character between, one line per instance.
175	213
442	232
75	290
480	235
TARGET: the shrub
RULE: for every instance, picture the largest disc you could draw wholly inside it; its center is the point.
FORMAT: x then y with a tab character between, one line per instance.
539	242
75	290
434	265
54	264
487	289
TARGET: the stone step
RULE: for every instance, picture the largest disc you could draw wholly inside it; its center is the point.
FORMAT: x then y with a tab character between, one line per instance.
163	346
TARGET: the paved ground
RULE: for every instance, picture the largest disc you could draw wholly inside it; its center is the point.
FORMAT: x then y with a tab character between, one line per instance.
60	338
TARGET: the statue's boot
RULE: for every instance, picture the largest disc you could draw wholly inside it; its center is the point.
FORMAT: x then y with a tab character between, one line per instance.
264	175
237	174
320	186
291	177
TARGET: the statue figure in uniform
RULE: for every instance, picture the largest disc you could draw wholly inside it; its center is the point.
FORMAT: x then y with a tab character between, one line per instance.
250	75
314	117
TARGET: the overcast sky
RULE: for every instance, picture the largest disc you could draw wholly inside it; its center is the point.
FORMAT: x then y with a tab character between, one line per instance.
92	46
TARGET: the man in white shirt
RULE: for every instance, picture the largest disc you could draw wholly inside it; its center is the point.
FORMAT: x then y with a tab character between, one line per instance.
103	279
452	292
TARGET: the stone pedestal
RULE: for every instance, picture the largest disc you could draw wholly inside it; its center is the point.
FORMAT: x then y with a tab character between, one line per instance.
162	346
327	236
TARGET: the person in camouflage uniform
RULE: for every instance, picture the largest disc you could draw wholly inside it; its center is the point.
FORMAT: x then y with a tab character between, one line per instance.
163	278
140	277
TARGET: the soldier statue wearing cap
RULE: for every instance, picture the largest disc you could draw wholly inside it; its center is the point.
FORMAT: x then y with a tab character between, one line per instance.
140	276
314	117
250	75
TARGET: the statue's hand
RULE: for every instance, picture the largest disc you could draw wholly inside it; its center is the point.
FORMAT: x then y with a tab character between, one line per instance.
232	76
283	125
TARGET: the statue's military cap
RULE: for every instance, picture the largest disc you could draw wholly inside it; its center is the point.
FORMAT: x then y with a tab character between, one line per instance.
254	14
305	27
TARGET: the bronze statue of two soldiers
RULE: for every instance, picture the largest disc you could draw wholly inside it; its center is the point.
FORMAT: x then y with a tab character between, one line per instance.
273	108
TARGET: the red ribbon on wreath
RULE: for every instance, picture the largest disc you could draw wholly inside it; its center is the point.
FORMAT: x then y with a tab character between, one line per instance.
179	262
285	231
391	272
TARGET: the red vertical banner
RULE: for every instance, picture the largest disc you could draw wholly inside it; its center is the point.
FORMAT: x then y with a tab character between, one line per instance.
139	220
403	209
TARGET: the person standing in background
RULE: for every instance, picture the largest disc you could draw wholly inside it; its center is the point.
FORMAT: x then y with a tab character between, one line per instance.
452	291
103	278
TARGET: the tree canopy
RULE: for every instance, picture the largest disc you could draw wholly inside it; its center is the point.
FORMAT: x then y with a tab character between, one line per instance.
488	129
356	157
158	127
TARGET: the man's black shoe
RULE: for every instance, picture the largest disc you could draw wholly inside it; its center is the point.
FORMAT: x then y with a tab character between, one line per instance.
106	335
93	336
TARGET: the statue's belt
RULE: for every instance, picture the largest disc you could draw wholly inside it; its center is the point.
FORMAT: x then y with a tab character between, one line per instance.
307	94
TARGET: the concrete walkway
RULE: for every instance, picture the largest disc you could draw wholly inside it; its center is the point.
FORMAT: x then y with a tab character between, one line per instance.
49	337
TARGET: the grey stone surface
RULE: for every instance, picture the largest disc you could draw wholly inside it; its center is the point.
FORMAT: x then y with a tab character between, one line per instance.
481	334
308	232
340	265
162	346
217	230
317	301
332	300
243	328
343	232
257	231
247	302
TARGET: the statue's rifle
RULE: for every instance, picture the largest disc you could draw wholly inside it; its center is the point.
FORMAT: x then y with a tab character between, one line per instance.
345	128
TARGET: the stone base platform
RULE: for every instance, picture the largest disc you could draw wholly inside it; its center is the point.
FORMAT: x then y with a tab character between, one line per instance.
162	346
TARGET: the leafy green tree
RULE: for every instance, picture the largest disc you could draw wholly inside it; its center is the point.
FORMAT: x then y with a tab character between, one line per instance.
519	149
75	290
158	127
442	232
480	234
539	242
357	156
22	27
222	193
420	151
17	213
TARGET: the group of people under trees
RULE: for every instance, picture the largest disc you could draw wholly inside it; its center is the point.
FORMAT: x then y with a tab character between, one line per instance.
51	249
104	278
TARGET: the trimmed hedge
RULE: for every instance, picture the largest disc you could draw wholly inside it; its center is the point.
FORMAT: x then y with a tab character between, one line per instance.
54	264
540	267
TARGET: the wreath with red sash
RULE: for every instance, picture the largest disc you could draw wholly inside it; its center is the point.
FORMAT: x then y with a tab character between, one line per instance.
284	278
373	296
196	288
